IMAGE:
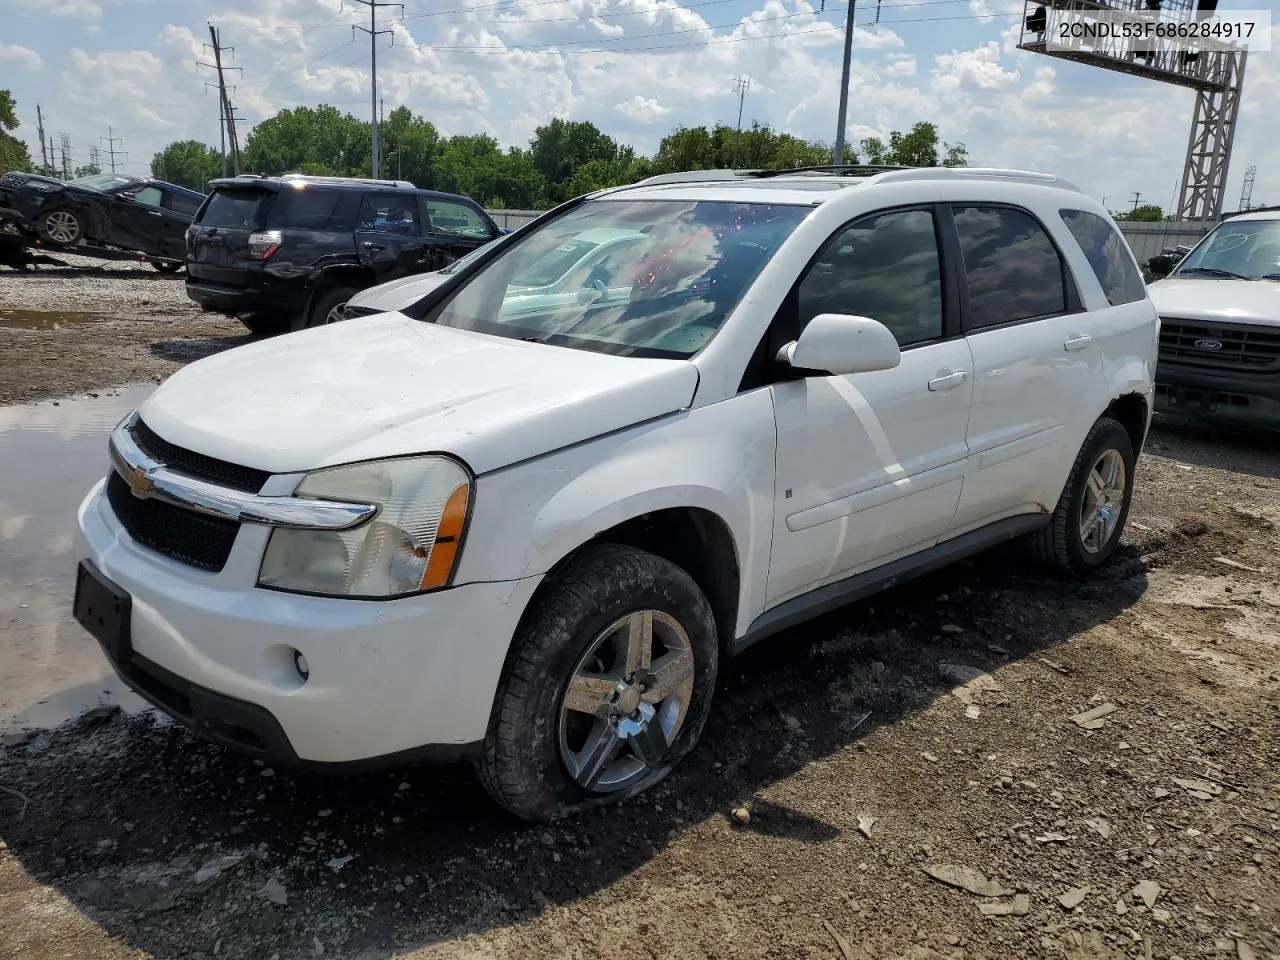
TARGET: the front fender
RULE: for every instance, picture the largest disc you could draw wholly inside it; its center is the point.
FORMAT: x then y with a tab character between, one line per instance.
719	458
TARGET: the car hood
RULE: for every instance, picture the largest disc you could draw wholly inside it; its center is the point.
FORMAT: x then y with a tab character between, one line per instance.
386	386
1227	301
398	294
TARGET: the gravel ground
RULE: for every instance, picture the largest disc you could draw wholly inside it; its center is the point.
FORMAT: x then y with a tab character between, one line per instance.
92	324
902	779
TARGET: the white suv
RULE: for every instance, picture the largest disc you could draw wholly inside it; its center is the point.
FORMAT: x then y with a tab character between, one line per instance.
529	536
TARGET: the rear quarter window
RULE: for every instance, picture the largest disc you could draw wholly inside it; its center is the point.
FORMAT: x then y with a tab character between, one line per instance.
1108	254
312	209
236	209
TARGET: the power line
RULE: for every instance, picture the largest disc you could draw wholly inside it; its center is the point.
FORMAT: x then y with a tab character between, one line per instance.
226	112
111	140
373	32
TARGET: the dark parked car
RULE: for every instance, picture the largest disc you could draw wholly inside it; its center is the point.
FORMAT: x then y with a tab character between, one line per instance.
283	253
105	210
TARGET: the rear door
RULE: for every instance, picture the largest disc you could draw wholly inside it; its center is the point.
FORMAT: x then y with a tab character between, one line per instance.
389	235
1036	363
219	238
456	228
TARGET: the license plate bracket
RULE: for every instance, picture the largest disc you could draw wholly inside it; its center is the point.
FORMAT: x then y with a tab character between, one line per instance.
105	610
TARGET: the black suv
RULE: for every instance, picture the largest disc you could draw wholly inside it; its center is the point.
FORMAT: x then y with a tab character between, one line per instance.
283	253
106	210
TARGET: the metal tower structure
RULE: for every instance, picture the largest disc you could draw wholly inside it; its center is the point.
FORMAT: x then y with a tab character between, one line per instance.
1246	191
1214	70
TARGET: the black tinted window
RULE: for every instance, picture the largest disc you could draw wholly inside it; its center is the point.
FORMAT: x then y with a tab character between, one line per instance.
1013	268
235	209
457	218
184	203
309	208
1108	254
390	213
885	267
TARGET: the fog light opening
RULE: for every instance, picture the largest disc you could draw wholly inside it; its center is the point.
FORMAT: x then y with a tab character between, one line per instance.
300	664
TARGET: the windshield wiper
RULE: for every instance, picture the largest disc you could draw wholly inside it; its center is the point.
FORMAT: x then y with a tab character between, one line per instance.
1215	272
1270	276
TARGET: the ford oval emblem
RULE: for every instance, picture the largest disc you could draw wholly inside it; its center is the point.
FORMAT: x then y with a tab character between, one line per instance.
1208	344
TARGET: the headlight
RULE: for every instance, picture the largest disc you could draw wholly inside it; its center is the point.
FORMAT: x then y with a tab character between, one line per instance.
410	545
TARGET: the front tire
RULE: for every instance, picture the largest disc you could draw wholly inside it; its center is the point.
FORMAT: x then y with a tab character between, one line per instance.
265	325
1091	513
60	227
607	686
168	266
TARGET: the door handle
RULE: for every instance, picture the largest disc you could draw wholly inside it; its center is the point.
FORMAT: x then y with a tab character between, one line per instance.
154	213
375	247
1078	342
948	381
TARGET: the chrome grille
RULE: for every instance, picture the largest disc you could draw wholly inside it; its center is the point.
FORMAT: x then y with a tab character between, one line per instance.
1224	346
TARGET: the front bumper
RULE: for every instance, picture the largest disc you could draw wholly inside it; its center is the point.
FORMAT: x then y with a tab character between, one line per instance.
388	681
1246	398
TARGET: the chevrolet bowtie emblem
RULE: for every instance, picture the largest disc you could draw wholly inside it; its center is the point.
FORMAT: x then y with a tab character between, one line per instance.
140	484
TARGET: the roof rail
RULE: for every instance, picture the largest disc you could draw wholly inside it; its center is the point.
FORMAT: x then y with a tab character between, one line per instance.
692	176
975	173
310	178
838	169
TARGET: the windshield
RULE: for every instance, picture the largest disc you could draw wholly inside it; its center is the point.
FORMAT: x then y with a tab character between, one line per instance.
102	181
1245	250
665	294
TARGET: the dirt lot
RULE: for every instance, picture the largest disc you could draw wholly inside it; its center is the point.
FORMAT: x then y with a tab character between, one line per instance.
868	770
94	324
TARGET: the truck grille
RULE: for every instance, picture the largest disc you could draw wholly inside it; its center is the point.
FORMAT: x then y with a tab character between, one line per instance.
183	535
1223	346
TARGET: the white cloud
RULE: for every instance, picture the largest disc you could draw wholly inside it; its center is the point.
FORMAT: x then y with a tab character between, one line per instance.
89	9
900	65
643	109
24	56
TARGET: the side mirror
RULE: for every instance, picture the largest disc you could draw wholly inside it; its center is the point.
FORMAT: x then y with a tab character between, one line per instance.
840	344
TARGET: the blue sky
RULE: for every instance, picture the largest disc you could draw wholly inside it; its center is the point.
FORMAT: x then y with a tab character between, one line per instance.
636	68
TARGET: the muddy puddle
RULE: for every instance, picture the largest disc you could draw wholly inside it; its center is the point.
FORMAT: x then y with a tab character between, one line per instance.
44	319
51	453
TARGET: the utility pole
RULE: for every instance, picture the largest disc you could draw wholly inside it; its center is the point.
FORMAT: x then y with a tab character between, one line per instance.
95	159
373	31
44	152
1136	197
66	155
740	86
111	140
844	86
226	112
382	119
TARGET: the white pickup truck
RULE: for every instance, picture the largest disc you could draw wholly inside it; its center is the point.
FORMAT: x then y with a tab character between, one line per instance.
531	536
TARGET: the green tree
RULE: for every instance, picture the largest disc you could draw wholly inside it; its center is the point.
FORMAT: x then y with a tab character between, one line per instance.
916	148
188	163
561	148
88	170
1146	212
759	147
319	140
14	154
410	147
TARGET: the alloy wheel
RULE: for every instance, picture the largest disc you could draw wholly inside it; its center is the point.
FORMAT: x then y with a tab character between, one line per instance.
62	227
1103	502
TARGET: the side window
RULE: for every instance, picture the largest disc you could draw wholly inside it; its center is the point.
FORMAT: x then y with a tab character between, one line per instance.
1013	269
886	267
1108	254
151	196
184	203
457	219
390	213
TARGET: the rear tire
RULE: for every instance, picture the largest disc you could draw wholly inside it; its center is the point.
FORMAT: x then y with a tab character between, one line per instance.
265	325
325	308
639	715
1091	513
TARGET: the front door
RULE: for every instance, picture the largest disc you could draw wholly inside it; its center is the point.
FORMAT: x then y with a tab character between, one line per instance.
389	236
870	465
139	223
1036	362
